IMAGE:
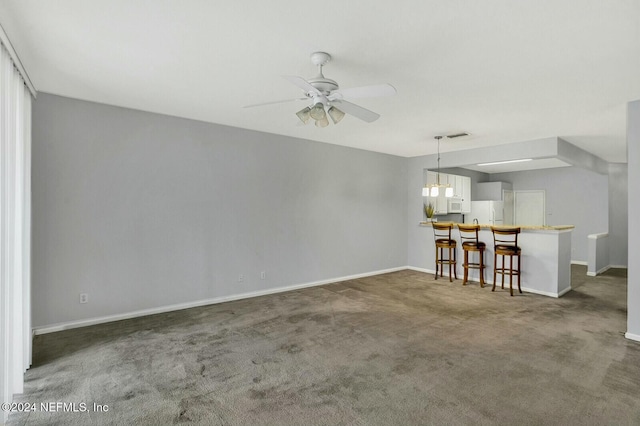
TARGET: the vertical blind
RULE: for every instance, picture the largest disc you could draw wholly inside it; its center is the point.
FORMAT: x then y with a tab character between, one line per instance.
15	228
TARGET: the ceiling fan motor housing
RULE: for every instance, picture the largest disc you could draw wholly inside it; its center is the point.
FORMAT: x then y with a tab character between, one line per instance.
320	82
324	85
320	58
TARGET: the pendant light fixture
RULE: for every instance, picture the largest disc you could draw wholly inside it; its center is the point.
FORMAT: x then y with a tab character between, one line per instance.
433	189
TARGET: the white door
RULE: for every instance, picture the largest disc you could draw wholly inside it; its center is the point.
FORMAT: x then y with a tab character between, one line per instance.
529	207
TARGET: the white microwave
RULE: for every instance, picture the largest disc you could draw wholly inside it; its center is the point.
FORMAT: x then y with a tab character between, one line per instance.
454	205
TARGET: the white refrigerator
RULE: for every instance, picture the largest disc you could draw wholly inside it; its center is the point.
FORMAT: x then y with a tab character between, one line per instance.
486	213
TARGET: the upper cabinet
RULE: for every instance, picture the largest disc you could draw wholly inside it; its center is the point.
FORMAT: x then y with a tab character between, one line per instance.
466	194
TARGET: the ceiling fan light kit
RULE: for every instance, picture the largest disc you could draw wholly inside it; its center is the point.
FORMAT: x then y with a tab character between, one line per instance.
326	93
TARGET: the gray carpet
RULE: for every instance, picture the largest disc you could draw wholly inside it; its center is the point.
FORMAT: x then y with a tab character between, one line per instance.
398	348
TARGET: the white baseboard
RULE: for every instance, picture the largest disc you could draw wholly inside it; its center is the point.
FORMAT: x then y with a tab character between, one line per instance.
605	269
632	336
540	292
565	291
598	272
177	307
579	262
426	271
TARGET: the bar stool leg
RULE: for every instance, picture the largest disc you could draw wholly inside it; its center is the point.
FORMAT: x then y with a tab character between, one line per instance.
481	262
450	279
511	274
519	272
495	271
455	263
503	268
465	266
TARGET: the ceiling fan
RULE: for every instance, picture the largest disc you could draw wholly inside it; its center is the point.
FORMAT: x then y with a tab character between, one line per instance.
325	93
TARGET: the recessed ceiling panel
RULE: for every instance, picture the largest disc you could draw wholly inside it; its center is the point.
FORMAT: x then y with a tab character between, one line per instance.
535	164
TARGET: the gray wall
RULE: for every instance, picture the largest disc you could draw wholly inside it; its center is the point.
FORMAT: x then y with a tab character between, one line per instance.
142	210
633	277
416	237
618	214
573	196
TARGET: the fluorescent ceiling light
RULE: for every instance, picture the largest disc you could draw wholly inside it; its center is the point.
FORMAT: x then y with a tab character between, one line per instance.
505	162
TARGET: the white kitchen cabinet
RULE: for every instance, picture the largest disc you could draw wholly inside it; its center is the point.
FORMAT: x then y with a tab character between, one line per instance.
457	183
466	194
461	185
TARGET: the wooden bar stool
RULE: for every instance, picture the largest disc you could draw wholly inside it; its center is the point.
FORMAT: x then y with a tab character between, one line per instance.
470	242
505	243
442	234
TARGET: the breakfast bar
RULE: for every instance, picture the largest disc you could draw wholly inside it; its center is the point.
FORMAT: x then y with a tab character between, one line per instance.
545	263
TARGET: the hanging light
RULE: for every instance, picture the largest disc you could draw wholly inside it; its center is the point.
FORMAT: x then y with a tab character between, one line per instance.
335	114
433	189
430	191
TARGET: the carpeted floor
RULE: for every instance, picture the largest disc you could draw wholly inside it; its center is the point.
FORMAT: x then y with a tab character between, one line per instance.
393	349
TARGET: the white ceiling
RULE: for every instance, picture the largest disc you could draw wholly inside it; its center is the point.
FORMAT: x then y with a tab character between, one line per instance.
502	70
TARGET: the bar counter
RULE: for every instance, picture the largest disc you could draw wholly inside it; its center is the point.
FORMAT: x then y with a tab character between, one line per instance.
545	259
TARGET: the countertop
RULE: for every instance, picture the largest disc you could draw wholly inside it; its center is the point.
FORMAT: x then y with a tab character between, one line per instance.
522	227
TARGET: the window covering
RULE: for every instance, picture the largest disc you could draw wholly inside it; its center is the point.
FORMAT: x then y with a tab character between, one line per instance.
15	227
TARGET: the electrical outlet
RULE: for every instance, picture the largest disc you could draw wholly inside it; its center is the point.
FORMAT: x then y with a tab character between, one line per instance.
240	277
263	275
84	297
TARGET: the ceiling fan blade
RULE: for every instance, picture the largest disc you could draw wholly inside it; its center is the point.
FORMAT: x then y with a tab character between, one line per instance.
301	83
357	111
273	102
374	91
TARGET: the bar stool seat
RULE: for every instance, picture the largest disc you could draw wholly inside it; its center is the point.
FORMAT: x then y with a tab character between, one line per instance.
506	244
442	236
502	247
470	243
